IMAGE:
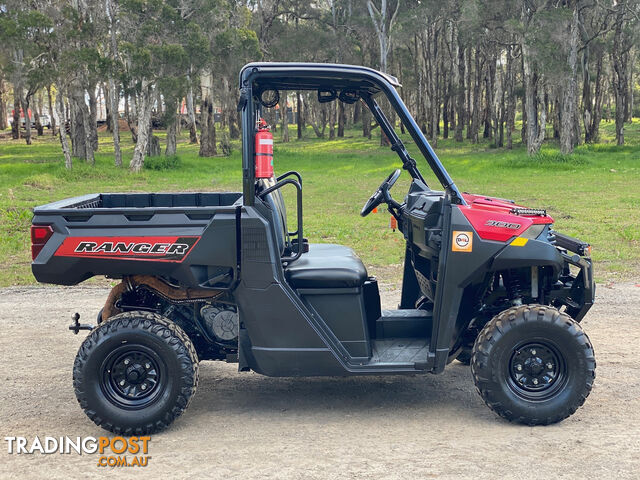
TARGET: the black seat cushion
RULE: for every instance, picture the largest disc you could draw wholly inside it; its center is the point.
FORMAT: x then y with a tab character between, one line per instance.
327	266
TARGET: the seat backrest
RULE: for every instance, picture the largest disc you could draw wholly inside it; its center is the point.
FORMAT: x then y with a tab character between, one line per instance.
275	202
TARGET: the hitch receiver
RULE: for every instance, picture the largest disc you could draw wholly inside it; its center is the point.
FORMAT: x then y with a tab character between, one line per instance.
76	326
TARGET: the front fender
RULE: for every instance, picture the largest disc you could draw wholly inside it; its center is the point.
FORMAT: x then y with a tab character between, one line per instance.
534	253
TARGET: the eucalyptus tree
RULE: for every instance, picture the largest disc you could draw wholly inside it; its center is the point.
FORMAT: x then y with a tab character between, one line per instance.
235	46
22	30
112	13
156	41
625	34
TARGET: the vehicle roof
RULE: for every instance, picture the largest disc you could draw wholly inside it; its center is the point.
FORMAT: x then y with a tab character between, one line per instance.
314	76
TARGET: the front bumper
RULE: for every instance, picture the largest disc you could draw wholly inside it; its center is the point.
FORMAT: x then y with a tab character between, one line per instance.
576	290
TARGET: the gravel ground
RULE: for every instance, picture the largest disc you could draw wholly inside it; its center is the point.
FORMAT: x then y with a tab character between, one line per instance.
249	426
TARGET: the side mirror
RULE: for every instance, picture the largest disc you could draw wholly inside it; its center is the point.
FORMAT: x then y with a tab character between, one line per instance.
326	96
349	96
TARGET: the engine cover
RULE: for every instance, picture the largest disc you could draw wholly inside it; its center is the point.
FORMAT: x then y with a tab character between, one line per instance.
221	322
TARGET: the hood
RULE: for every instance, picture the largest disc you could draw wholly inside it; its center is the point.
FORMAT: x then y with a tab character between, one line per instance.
499	219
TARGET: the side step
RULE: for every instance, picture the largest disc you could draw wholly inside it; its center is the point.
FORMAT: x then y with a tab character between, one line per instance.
404	324
400	351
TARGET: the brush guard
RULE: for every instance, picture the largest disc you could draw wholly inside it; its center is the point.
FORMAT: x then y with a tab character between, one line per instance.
575	292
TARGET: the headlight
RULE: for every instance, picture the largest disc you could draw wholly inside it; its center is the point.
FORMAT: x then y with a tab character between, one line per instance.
533	231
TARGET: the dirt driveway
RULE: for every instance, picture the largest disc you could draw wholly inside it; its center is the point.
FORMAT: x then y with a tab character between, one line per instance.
247	426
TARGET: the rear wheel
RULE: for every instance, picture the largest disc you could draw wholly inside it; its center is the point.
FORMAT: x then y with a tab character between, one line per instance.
135	373
533	364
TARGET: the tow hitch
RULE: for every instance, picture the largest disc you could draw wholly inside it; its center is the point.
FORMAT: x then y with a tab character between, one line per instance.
76	326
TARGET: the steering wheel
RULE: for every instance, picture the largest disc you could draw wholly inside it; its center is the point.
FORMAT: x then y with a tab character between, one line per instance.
382	194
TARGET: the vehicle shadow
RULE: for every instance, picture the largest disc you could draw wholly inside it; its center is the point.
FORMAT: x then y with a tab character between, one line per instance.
222	388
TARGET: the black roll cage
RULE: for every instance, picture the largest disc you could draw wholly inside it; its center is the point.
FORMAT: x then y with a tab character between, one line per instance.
318	76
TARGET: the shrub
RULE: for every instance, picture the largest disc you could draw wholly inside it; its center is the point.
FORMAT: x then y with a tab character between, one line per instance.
162	163
547	158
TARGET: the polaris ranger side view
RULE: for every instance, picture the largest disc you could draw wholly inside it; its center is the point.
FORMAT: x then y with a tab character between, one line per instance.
222	276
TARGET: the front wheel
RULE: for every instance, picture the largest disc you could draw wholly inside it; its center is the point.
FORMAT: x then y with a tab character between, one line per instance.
135	373
533	365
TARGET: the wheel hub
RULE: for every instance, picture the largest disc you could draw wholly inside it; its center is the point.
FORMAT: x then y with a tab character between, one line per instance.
136	374
132	376
534	367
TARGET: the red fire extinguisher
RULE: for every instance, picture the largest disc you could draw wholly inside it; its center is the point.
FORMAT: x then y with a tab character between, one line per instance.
264	150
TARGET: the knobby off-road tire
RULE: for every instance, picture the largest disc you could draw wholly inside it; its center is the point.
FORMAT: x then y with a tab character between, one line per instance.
135	373
533	365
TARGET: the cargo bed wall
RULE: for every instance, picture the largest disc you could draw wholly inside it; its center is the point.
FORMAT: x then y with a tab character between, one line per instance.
188	238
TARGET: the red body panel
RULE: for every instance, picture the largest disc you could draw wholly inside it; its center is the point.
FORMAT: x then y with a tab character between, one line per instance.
492	220
157	249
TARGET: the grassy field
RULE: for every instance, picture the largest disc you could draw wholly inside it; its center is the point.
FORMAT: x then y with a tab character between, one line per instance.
593	194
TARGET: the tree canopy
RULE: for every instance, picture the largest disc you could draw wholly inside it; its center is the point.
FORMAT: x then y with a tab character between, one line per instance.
469	68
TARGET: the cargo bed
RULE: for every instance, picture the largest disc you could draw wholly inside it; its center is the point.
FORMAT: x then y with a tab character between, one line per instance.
189	238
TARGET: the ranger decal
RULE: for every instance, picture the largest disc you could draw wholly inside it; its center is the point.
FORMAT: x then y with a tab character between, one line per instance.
168	249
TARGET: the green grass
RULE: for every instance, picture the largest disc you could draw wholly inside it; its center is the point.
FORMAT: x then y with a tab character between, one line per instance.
593	194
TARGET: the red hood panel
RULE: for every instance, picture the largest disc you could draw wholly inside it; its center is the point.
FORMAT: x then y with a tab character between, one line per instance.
491	219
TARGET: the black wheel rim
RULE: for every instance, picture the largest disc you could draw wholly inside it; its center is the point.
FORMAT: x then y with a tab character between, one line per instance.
133	376
537	370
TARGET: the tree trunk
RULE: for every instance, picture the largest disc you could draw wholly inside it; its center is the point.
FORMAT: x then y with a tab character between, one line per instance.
587	100
570	91
511	98
27	118
3	105
629	101
468	90
207	119
172	128
332	120
620	62
171	139
114	97
592	122
497	106
62	130
75	131
144	123
106	92
477	94
284	116
18	96
53	118
494	98
459	74
533	97
132	118
445	112
366	122
234	130
92	126
37	111
313	119
153	146
357	112
341	119
193	135
299	119
17	108
81	129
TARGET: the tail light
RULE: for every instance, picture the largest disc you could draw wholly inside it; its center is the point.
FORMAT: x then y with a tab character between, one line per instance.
40	235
